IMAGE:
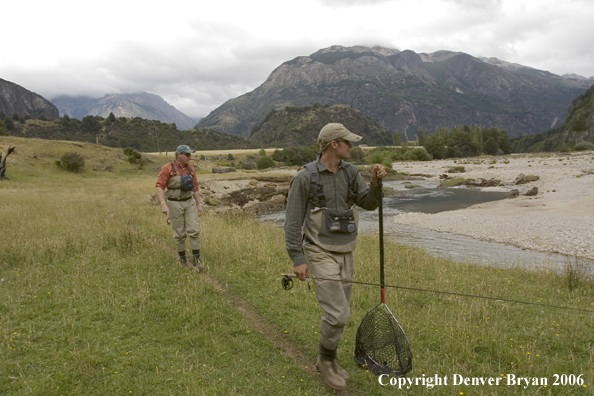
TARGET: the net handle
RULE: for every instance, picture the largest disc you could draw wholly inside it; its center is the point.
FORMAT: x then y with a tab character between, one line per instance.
381	242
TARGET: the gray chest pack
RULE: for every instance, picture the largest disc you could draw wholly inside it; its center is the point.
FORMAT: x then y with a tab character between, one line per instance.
333	230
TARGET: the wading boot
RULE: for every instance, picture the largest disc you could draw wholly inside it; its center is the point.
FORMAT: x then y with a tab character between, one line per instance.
183	261
197	263
331	377
340	371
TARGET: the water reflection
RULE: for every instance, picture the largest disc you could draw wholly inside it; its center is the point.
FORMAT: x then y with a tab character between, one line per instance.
425	197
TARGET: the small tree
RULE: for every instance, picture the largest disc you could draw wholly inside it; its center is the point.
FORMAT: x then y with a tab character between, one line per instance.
435	146
262	153
91	124
491	146
504	143
264	162
422	135
396	138
72	162
9	123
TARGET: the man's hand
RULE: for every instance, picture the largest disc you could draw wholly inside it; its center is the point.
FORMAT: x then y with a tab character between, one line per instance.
302	271
200	210
378	172
165	209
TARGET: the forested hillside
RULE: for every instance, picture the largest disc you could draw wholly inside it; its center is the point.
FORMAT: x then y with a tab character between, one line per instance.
300	126
140	134
576	133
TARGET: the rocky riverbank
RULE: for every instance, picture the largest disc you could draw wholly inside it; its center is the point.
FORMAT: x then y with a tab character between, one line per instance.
559	218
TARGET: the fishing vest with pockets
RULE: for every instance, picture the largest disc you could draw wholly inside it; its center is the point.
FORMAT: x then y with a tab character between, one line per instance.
180	188
333	230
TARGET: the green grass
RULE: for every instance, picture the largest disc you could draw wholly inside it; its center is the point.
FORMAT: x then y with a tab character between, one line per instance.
93	302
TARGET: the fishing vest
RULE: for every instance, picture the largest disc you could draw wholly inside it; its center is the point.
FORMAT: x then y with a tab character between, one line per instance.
333	230
180	188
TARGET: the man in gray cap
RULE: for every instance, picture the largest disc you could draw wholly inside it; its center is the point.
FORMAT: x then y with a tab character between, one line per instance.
321	234
183	205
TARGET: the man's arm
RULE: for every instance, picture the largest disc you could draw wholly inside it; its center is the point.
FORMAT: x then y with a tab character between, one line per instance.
161	184
161	197
198	201
295	214
369	196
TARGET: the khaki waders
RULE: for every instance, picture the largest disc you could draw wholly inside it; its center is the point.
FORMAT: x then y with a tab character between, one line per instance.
333	295
184	222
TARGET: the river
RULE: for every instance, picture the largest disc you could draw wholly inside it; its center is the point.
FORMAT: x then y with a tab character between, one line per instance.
427	198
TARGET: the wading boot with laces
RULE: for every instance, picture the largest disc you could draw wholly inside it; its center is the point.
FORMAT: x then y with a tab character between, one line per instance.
183	261
326	367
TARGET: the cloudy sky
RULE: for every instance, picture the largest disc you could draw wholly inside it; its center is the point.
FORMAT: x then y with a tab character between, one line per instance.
198	54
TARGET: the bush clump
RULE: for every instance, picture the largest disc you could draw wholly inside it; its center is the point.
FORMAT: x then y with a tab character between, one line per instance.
264	162
584	146
72	162
295	155
134	157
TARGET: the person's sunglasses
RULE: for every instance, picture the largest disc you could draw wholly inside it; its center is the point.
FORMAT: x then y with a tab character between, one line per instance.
347	142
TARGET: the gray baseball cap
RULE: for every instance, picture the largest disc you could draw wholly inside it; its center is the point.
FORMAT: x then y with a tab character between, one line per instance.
335	131
184	149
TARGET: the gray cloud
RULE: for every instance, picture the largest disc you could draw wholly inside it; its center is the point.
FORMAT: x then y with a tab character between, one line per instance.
208	63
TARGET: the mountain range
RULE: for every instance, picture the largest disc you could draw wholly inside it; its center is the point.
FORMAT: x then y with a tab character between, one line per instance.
15	99
140	104
405	91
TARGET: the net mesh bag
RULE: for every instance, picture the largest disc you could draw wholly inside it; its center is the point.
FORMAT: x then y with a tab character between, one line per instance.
381	344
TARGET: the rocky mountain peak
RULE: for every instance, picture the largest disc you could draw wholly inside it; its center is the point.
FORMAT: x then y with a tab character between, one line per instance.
138	104
405	91
15	99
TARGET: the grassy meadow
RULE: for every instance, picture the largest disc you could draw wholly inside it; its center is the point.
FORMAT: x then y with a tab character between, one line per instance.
93	302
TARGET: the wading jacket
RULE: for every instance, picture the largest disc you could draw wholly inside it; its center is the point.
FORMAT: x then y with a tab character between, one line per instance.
335	187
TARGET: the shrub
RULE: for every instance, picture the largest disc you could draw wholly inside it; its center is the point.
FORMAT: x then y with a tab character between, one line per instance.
584	146
134	157
457	169
414	154
264	162
357	155
72	162
380	157
296	155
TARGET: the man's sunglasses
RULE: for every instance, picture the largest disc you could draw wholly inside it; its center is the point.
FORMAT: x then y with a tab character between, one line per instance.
347	142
